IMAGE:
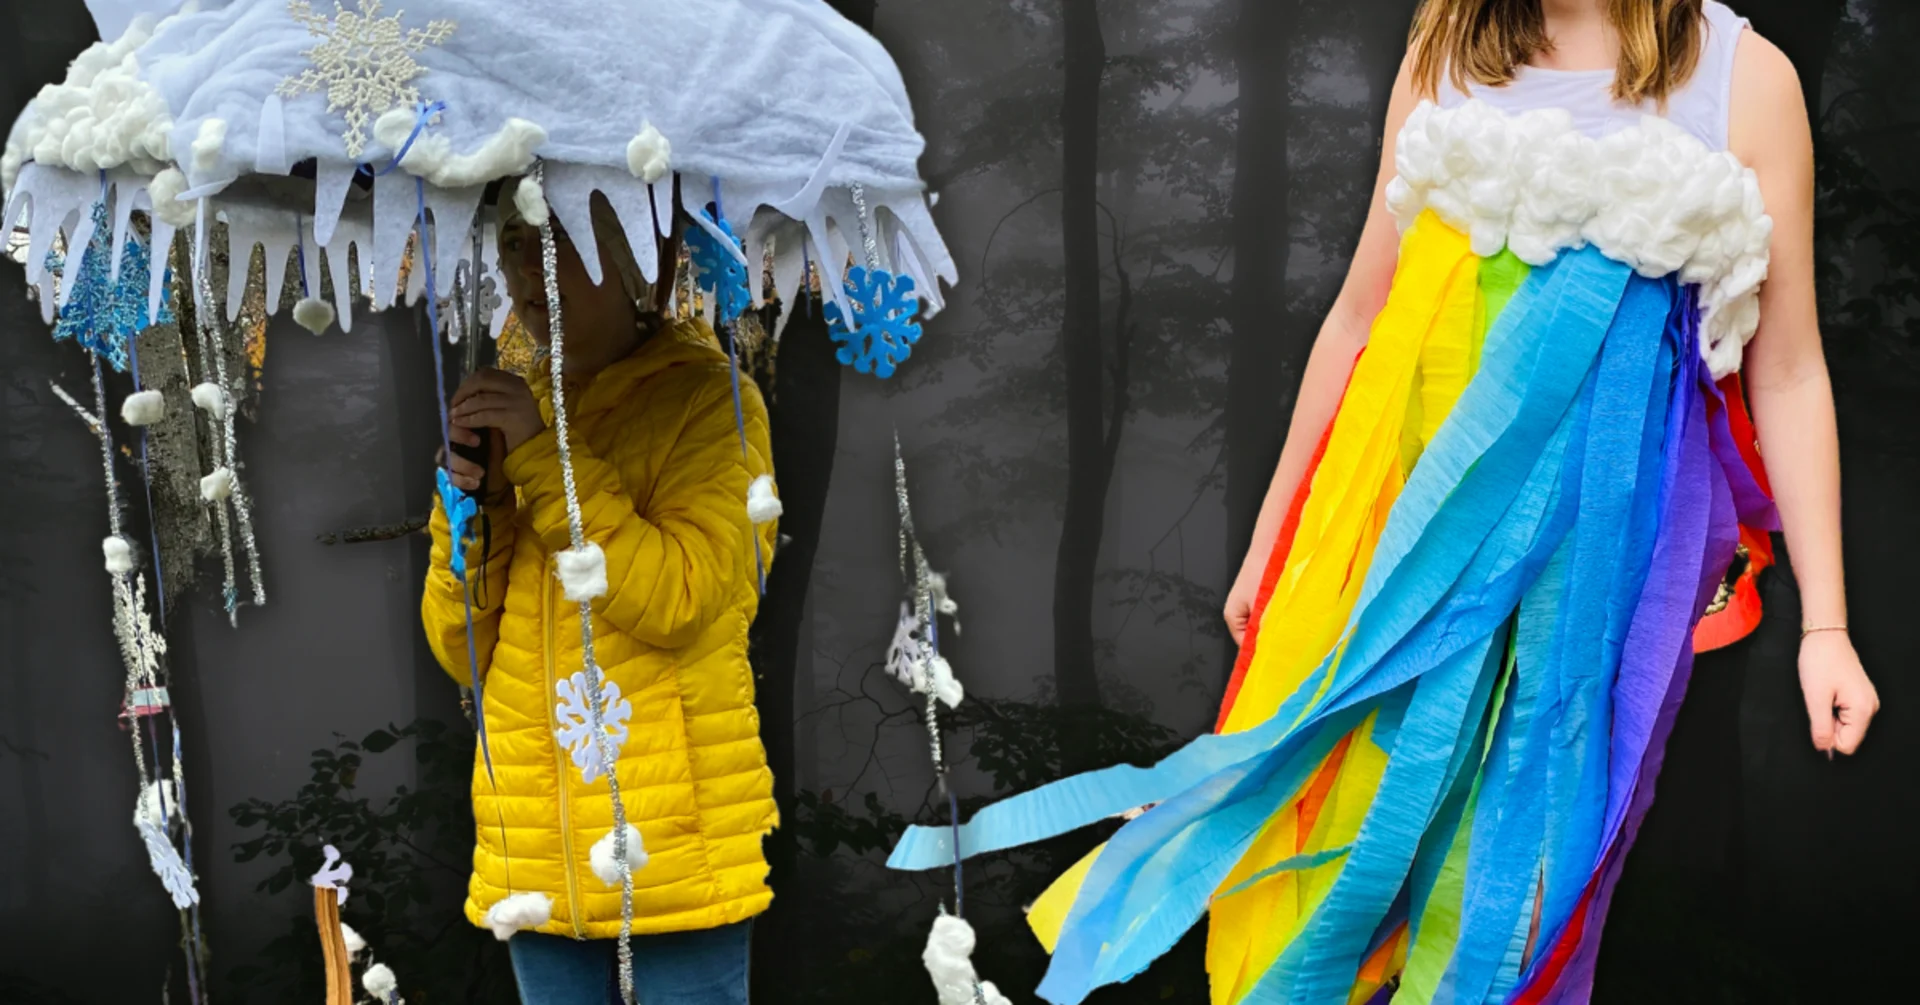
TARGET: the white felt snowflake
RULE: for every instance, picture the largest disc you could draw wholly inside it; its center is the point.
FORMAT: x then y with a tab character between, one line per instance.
576	723
166	862
364	62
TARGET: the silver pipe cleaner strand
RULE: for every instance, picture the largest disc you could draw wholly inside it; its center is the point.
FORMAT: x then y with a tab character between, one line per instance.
596	702
929	601
141	650
213	344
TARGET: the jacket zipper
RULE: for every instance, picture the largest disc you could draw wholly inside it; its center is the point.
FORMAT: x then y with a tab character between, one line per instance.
559	759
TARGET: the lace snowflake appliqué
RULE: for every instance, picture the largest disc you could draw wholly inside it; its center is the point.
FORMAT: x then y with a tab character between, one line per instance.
720	271
103	313
881	334
576	723
364	62
461	508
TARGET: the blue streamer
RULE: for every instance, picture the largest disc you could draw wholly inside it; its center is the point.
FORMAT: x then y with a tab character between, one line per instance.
457	539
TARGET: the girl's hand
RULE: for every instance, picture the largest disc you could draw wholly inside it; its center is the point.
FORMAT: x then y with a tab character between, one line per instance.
1239	612
467	475
501	400
1841	701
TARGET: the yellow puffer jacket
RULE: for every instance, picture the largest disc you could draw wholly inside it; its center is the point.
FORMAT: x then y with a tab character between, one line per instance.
662	486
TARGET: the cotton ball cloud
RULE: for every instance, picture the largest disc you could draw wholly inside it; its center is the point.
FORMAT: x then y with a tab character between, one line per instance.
531	200
582	572
101	116
119	555
763	506
606	864
517	913
143	408
165	191
649	155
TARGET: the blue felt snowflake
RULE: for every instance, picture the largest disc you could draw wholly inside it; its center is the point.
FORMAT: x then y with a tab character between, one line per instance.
884	332
103	313
461	509
719	271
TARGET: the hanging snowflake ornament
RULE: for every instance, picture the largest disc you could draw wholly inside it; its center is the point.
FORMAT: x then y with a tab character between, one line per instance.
576	729
719	271
101	312
334	874
166	862
882	332
364	63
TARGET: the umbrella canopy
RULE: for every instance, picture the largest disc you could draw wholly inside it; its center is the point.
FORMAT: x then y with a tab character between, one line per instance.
790	118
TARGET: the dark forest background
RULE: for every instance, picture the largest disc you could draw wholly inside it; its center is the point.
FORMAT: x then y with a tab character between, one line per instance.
1152	202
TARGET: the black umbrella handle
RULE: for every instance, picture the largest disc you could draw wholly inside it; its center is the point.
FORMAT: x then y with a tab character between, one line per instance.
479	454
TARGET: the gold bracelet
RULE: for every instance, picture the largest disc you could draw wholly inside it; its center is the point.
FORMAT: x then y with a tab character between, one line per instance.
1807	630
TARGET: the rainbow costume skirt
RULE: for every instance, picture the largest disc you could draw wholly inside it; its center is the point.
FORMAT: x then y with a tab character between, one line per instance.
1470	642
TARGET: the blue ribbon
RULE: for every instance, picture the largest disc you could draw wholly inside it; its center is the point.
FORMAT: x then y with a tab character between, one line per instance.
425	113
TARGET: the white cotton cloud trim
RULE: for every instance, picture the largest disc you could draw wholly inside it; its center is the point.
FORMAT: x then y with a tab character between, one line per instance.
519	912
582	572
164	190
531	200
119	555
313	314
207	144
1650	196
649	154
763	506
379	981
149	807
606	865
210	399
948	957
355	944
509	151
101	116
218	485
143	408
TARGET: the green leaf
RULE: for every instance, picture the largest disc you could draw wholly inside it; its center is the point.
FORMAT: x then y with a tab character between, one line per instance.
378	741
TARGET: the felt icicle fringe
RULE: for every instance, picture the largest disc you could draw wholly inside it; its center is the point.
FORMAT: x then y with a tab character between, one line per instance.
575	526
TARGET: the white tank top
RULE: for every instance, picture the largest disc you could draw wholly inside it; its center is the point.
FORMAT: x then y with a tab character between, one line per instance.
1699	106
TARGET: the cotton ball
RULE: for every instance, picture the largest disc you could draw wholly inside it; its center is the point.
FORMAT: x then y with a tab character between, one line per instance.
379	981
583	572
762	505
355	944
519	912
649	154
218	485
946	687
948	958
164	190
157	804
313	314
143	408
119	555
607	866
206	145
210	399
531	200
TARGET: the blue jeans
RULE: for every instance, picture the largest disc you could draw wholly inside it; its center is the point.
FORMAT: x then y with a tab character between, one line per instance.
680	968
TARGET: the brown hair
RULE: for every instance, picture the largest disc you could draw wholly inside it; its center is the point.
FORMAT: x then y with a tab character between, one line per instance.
1486	41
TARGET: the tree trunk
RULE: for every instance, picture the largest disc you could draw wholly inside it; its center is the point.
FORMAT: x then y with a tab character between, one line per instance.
1268	350
1088	467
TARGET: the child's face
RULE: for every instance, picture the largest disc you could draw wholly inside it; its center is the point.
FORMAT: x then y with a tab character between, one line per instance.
591	311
